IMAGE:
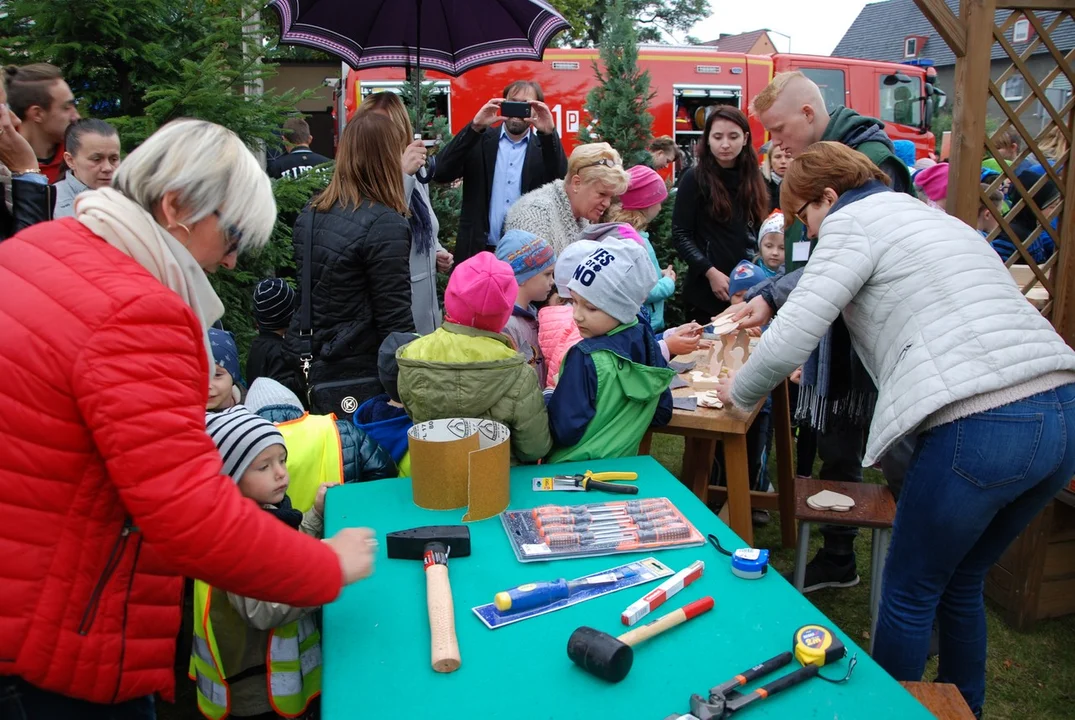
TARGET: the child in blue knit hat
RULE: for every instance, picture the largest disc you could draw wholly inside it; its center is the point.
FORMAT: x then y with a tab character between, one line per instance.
226	387
533	261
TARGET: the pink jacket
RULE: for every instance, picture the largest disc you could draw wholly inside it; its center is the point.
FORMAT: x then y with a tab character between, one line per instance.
557	332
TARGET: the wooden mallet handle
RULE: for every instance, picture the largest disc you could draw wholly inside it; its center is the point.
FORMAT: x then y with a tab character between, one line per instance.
666	622
444	645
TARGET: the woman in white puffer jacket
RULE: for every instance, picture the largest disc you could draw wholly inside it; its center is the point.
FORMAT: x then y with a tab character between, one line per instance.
962	362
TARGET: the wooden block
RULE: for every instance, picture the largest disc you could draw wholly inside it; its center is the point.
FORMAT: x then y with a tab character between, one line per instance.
941	699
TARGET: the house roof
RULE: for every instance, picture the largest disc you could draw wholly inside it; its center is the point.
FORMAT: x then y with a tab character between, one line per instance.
880	29
741	43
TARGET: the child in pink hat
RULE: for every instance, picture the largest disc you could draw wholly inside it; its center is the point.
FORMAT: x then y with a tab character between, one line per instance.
932	183
646	191
468	368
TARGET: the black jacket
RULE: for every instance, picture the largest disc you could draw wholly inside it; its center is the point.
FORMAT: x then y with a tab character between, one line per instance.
297	162
703	242
361	281
31	203
472	156
269	357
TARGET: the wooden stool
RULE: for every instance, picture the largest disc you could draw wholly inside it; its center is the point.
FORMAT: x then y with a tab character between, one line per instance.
875	508
941	699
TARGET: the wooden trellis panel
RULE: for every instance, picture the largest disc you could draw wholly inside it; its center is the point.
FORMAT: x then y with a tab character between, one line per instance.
983	25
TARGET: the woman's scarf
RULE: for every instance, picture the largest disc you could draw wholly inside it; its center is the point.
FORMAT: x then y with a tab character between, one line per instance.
285	512
835	390
129	228
421	224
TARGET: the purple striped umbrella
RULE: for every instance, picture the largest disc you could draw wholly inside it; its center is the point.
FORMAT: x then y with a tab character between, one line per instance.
451	36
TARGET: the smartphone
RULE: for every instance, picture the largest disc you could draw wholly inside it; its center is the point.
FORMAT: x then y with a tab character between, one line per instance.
512	108
430	143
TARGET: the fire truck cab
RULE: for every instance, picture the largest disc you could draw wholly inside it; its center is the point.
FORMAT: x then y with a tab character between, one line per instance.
686	83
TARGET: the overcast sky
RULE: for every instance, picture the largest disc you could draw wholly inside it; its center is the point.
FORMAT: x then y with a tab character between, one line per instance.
814	26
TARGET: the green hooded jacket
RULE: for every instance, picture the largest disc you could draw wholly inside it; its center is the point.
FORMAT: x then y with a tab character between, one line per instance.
459	371
867	135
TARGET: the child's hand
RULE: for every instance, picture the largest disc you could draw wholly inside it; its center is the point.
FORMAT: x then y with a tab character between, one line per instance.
319	499
669	272
681	343
754	332
797	376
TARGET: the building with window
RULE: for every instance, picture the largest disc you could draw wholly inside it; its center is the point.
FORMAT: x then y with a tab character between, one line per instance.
896	31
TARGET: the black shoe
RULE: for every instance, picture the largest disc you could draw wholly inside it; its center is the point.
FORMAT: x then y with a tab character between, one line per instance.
828	571
759	517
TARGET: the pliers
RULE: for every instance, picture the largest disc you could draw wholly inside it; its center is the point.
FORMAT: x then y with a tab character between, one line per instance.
589	481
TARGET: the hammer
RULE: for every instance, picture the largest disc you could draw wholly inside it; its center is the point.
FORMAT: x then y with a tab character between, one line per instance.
432	545
610	657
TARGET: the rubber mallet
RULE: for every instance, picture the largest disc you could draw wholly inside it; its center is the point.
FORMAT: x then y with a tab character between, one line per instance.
433	545
610	658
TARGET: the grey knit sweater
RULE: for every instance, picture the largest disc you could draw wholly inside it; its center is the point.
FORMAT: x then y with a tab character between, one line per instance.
547	213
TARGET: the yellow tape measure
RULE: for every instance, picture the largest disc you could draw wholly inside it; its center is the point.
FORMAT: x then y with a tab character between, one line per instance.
817	645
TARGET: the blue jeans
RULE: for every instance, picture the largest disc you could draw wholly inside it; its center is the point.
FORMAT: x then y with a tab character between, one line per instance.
971	488
19	700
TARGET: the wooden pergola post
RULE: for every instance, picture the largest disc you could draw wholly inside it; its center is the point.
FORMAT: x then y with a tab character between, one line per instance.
971	36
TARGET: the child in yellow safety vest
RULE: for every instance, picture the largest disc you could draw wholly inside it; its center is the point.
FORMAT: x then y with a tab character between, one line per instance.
253	658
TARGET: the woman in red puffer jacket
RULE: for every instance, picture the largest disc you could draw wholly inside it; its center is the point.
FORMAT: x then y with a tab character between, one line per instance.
110	489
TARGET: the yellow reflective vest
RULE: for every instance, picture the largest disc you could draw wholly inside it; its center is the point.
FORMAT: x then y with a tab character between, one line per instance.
314	456
293	660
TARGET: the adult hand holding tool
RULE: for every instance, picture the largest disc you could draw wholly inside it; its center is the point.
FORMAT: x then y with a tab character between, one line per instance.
433	545
610	658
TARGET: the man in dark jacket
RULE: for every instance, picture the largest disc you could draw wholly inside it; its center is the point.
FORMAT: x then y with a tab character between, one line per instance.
499	166
792	108
299	158
31	198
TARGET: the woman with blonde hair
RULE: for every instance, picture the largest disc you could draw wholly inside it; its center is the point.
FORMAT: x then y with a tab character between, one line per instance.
559	211
427	254
966	369
352	252
107	364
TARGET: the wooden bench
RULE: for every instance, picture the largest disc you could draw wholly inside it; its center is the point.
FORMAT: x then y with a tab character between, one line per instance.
941	699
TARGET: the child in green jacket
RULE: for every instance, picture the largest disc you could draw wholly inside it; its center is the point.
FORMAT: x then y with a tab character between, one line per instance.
614	384
467	368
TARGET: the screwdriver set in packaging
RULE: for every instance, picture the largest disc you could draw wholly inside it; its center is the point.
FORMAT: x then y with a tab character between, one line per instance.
552	532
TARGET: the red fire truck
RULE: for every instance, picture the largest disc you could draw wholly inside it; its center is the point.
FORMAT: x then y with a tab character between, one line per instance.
685	82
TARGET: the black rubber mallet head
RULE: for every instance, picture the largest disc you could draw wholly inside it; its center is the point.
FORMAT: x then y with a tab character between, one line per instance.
610	658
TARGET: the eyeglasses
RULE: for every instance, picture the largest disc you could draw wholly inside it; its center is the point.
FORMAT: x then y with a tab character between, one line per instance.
800	211
603	162
233	236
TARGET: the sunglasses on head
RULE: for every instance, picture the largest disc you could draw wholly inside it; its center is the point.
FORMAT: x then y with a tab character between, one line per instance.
603	162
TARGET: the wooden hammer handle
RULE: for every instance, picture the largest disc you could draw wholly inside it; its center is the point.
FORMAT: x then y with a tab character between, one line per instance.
666	622
444	645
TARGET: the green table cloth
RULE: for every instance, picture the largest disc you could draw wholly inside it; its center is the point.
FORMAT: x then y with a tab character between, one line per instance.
376	635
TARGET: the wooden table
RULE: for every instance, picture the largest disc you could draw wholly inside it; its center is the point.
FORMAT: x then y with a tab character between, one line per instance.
703	428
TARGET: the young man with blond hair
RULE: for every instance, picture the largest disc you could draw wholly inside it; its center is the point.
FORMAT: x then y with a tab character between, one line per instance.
838	396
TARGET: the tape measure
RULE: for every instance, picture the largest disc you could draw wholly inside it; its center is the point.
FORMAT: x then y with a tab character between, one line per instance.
817	645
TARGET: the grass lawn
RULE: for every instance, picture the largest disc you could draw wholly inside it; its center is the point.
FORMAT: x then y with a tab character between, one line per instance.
1028	675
